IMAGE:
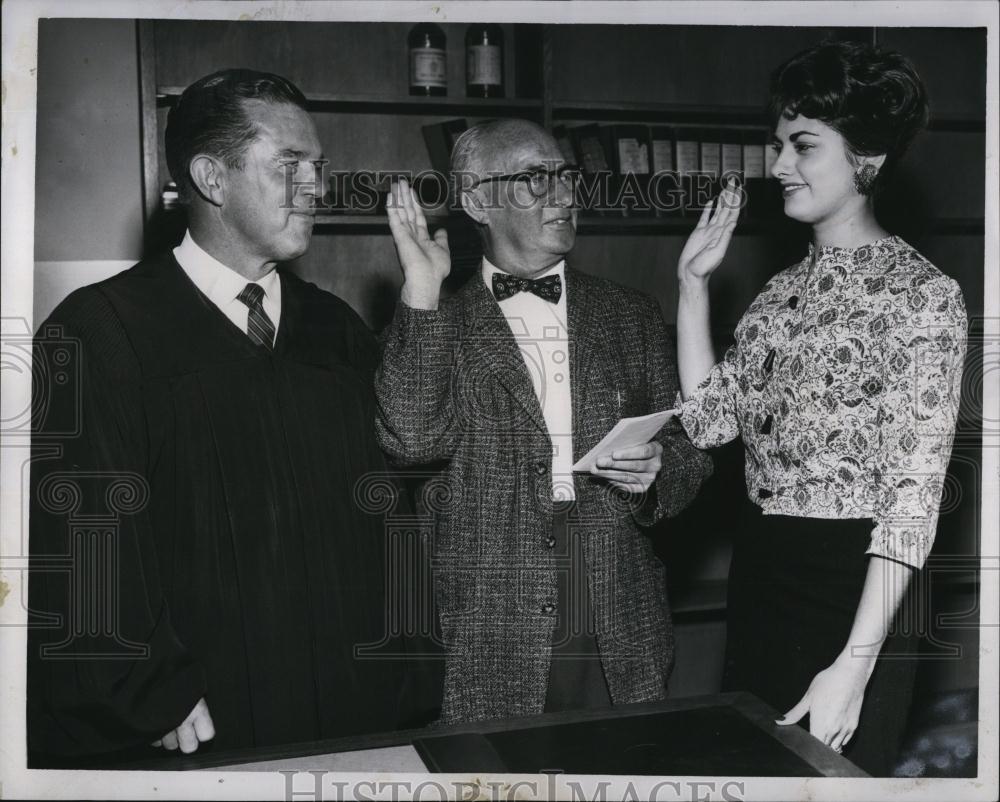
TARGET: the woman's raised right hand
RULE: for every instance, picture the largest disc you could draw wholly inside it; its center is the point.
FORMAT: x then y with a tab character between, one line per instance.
707	244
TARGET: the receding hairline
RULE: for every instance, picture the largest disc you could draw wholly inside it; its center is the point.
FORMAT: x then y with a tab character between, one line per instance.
484	145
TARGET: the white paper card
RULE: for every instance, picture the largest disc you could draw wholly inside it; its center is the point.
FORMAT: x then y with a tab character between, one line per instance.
628	432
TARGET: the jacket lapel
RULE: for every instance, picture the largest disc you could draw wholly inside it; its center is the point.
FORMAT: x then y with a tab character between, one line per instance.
490	342
580	310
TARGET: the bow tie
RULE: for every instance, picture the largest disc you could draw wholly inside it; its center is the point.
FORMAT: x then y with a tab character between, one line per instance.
548	288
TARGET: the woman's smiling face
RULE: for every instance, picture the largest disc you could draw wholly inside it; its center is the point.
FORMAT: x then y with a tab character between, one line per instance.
815	171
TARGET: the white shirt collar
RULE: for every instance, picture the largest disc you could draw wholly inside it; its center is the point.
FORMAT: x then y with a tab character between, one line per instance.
219	283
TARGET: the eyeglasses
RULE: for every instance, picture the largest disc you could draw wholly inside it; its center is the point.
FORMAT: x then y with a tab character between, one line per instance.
539	180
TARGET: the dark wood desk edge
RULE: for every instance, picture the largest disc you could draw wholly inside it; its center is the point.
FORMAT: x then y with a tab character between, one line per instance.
406	737
793	737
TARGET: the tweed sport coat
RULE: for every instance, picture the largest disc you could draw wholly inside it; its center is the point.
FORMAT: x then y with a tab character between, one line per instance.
453	387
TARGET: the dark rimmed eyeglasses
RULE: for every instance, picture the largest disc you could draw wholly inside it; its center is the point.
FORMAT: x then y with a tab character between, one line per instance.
539	180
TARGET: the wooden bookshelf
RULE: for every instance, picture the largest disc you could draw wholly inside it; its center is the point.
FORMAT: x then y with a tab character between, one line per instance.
649	226
166	96
544	108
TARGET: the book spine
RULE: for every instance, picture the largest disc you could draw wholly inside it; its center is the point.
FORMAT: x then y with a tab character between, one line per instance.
732	154
688	154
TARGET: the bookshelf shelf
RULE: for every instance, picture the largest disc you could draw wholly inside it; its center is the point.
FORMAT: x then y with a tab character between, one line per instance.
673	113
597	111
651	226
680	114
403	104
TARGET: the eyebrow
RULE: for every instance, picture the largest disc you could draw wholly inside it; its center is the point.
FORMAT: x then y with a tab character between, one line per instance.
291	153
540	166
776	140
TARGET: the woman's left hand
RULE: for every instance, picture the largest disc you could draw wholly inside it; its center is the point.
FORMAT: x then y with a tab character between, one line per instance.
833	702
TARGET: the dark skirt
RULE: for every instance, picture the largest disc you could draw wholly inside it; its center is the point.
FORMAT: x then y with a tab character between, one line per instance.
794	588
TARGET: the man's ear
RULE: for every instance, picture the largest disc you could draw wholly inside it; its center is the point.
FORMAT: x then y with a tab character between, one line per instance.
208	176
472	204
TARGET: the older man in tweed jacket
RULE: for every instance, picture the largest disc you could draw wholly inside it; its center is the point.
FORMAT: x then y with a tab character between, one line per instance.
550	594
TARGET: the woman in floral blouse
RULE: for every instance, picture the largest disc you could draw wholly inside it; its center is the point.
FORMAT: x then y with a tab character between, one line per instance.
844	385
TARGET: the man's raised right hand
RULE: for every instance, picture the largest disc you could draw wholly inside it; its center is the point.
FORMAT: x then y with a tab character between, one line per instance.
425	261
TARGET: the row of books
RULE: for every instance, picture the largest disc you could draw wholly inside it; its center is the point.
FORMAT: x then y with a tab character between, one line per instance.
638	149
635	170
628	170
643	150
666	171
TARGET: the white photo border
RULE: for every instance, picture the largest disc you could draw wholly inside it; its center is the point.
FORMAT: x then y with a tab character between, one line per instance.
20	45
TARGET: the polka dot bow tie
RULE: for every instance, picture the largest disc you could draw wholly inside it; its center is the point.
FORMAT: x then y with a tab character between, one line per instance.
548	288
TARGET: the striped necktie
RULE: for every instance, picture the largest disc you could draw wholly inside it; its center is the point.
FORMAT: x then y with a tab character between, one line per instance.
260	329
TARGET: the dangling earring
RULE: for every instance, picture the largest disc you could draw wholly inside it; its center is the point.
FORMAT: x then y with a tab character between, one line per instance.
864	179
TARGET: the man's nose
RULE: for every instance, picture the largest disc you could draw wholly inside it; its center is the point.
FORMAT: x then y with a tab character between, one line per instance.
562	192
309	181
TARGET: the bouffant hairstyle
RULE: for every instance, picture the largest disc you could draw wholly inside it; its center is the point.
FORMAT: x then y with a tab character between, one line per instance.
871	97
211	117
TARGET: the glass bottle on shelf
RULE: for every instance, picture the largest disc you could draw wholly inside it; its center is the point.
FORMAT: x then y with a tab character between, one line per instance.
428	60
484	60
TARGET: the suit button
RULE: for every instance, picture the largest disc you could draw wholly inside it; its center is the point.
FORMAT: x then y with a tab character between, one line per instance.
769	361
541	468
550	541
548	608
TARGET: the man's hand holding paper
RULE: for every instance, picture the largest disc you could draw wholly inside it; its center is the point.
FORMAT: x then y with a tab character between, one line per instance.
627	456
633	469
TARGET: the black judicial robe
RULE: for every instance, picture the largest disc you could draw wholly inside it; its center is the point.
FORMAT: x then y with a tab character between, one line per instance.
243	563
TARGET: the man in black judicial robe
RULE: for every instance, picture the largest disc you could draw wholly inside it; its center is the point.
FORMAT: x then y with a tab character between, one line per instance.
222	442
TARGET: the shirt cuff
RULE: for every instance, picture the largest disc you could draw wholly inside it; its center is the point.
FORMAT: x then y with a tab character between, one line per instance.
687	416
907	542
404	312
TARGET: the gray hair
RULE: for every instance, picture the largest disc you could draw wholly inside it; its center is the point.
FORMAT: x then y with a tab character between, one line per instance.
477	147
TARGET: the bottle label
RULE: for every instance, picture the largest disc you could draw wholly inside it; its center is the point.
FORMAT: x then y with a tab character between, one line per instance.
427	67
483	65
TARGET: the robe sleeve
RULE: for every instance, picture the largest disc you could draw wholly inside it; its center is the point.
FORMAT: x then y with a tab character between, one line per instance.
106	671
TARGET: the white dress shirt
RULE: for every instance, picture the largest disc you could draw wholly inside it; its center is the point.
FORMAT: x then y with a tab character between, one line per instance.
222	285
541	330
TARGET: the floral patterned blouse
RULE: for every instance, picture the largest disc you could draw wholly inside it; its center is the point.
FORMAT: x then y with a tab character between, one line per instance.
844	384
